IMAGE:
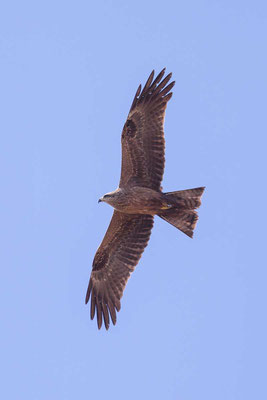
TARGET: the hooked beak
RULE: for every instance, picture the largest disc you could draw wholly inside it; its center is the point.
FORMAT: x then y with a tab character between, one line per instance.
100	200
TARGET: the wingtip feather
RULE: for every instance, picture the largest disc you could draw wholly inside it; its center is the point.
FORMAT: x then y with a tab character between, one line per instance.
87	297
105	315
99	314
92	309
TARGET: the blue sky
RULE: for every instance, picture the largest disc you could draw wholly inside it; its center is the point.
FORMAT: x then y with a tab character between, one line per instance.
193	318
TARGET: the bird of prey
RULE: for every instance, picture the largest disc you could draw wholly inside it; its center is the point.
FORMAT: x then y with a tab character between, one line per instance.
138	199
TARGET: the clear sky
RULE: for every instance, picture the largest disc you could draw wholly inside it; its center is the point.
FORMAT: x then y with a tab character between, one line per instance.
193	318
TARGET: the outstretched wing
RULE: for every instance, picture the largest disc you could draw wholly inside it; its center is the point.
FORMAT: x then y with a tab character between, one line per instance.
143	144
115	259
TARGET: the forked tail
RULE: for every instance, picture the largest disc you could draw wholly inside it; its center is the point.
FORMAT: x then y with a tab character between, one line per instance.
181	213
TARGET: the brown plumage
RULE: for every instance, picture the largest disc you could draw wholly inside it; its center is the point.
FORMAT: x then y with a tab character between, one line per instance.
138	199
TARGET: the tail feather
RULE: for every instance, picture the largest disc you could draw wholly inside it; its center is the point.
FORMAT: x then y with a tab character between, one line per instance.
181	213
189	199
183	220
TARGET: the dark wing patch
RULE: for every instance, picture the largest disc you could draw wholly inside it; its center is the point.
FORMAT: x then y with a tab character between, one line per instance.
143	144
129	129
115	259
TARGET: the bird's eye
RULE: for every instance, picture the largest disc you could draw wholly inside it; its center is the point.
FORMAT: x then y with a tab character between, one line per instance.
106	196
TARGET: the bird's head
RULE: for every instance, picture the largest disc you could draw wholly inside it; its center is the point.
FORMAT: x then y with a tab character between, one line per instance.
105	198
109	197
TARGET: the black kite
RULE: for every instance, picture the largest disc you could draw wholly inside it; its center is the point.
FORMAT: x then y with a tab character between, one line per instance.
138	198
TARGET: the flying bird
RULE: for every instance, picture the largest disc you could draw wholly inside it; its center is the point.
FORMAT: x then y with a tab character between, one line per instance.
138	199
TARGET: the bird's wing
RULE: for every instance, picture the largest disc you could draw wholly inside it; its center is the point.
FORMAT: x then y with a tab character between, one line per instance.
143	144
115	259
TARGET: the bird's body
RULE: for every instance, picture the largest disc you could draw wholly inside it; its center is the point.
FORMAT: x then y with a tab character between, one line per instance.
138	199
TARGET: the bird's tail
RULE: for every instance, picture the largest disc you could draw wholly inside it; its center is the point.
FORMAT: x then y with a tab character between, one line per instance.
182	212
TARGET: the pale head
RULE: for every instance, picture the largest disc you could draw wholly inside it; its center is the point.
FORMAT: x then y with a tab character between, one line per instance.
110	197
